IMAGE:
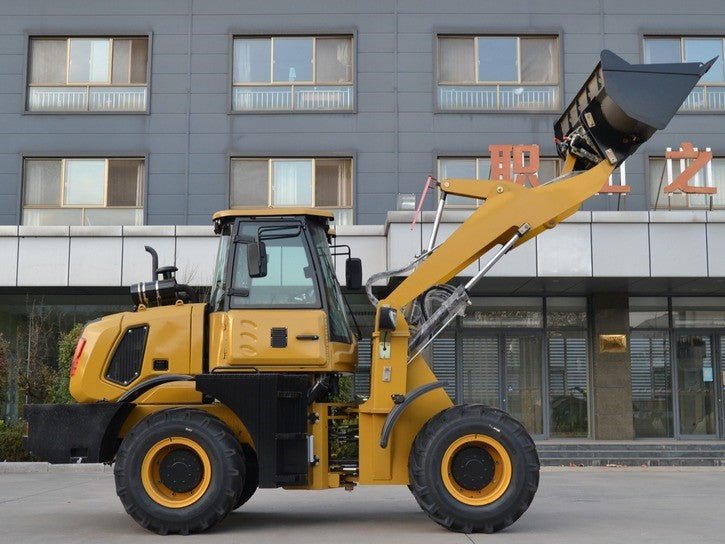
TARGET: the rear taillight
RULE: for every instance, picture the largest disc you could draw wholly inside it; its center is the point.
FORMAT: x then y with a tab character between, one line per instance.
77	355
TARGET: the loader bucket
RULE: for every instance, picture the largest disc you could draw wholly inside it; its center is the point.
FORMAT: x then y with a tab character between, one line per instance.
621	105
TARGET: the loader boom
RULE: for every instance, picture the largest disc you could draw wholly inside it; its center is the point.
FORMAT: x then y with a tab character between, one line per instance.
598	131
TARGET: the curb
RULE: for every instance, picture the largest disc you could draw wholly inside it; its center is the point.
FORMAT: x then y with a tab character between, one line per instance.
99	468
35	468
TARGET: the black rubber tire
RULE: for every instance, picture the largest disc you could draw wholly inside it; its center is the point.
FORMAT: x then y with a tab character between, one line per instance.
426	481
251	478
227	471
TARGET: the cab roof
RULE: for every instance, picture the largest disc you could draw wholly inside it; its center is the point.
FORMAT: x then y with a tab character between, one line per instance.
271	212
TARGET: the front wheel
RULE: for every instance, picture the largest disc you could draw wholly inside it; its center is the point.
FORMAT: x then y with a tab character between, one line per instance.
473	469
179	471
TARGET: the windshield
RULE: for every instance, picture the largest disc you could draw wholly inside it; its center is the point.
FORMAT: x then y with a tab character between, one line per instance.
290	279
216	299
339	325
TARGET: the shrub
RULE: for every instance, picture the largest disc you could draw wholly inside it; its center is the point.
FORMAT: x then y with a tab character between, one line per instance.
66	349
11	445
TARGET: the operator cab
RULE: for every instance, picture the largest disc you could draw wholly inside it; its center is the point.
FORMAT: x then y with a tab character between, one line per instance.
276	284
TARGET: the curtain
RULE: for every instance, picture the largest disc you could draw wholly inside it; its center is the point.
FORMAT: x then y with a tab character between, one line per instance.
538	60
252	60
292	183
333	63
456	60
42	182
47	61
242	60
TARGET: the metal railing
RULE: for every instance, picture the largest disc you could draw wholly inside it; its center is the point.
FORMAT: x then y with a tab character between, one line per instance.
498	97
293	98
705	98
88	98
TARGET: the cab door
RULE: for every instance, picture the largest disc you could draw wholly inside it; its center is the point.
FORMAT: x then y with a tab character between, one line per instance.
277	319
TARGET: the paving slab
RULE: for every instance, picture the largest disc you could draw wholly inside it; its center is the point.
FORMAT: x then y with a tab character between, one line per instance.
573	505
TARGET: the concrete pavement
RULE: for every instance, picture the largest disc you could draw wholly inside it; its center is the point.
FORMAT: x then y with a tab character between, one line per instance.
573	505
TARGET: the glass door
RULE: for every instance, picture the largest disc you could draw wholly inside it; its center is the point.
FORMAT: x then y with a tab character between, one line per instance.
696	381
480	370
504	371
523	389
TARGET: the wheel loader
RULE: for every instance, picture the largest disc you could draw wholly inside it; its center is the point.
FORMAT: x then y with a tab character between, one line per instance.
198	404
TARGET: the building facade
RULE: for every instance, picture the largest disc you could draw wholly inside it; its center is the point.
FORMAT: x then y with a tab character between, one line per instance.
129	123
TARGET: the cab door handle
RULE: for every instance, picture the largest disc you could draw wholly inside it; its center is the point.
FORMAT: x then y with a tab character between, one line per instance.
307	337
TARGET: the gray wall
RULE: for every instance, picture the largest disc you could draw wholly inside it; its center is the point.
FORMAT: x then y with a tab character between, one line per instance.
394	136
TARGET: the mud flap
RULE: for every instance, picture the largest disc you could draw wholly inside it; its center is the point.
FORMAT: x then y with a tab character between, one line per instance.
75	433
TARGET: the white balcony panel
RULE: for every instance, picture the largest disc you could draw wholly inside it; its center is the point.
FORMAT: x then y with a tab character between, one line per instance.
95	261
9	251
620	249
43	254
678	249
565	251
370	248
195	259
403	244
136	265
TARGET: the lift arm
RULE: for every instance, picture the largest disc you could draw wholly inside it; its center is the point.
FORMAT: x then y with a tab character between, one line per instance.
619	107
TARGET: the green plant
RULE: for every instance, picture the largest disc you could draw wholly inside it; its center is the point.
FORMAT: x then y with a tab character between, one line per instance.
343	445
66	349
11	443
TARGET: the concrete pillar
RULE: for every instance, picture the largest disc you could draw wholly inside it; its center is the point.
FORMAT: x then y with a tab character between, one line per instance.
612	379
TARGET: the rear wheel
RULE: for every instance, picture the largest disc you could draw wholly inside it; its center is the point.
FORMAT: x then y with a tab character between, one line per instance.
473	469
179	471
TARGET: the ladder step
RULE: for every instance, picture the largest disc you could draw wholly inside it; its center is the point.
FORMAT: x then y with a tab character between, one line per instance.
290	436
289	394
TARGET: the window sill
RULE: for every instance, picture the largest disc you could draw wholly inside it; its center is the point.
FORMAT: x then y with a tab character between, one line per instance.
292	112
72	112
498	112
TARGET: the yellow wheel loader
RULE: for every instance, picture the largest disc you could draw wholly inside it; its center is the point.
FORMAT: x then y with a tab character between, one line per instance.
199	404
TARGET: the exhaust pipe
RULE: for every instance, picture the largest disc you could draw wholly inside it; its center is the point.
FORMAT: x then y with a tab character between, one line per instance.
621	106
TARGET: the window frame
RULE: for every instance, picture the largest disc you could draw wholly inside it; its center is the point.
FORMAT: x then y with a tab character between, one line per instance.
293	157
655	34
121	34
143	157
314	33
478	160
555	34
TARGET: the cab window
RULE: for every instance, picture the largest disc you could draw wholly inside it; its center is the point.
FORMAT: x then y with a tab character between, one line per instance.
290	279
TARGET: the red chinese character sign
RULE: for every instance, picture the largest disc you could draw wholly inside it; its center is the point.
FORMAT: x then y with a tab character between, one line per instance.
688	172
518	163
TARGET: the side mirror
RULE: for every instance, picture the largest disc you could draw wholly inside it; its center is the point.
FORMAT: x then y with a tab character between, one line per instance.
353	273
256	259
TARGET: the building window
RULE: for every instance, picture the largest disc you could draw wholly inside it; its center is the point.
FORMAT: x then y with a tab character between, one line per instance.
489	73
659	179
709	94
293	73
87	191
319	182
480	168
88	74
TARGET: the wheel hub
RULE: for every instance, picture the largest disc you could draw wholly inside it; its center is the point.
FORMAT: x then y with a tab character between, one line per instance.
473	468
181	470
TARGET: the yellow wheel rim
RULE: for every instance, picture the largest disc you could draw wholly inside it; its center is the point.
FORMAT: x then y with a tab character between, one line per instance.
151	478
498	483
